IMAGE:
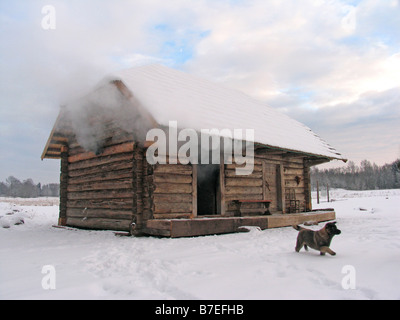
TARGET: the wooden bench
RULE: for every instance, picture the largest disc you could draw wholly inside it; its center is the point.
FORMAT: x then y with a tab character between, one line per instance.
263	210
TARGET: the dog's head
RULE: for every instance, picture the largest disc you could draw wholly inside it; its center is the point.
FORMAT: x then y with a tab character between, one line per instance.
332	229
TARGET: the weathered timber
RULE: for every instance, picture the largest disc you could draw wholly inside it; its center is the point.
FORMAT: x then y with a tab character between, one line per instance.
172	178
230	197
243	190
277	221
109	194
239	181
171	197
100	224
125	203
102	175
99	161
120	148
173	168
169	207
172	188
173	215
125	183
99	213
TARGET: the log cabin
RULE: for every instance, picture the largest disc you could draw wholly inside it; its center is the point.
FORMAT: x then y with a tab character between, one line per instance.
107	182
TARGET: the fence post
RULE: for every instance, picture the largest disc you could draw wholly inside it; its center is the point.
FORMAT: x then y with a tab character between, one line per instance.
317	192
327	191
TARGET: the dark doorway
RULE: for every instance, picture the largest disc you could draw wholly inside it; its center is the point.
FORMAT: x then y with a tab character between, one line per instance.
208	191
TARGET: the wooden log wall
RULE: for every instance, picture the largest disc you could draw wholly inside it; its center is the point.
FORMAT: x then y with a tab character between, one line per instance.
62	220
275	177
102	188
295	182
249	187
173	191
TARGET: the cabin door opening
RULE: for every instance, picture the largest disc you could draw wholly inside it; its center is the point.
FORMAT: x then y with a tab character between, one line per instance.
208	189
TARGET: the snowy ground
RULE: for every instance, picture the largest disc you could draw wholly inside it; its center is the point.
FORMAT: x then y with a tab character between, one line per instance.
254	265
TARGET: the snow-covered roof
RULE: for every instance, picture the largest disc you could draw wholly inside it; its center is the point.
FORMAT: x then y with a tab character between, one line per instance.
172	95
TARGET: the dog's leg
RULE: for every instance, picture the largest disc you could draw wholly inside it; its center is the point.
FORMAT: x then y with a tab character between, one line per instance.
324	250
299	244
305	247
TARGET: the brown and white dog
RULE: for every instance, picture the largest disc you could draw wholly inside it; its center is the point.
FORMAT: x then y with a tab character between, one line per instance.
319	240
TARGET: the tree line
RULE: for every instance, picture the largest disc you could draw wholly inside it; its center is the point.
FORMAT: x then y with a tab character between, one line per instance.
13	187
366	176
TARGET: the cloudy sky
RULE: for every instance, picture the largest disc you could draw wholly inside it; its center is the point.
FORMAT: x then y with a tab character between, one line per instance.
333	65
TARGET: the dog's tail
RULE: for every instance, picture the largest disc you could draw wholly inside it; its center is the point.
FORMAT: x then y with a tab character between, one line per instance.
297	227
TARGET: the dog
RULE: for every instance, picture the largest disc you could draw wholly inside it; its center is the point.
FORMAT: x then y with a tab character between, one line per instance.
319	240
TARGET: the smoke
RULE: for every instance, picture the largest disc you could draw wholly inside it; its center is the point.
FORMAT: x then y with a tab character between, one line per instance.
104	115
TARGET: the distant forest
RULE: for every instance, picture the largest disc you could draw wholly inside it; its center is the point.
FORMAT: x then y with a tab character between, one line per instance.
367	176
12	187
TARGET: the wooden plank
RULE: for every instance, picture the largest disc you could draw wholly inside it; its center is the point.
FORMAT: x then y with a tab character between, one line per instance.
173	168
243	182
100	175
158	224
60	139
277	221
173	215
125	183
156	232
172	188
243	190
100	161
99	213
173	178
169	207
231	197
179	197
109	194
100	224
125	203
254	201
199	227
120	148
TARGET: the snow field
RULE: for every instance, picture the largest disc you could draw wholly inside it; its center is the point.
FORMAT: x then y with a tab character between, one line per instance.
253	265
